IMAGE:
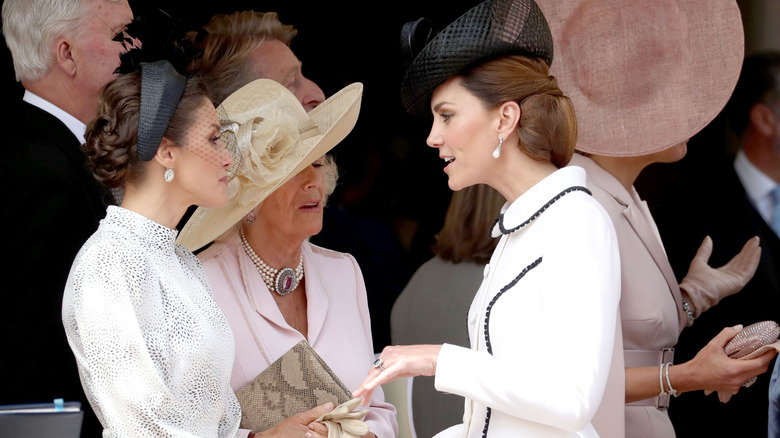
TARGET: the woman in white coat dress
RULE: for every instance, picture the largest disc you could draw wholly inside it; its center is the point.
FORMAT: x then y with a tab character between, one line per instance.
542	324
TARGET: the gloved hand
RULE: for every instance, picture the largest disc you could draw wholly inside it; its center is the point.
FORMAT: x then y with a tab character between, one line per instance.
706	286
343	423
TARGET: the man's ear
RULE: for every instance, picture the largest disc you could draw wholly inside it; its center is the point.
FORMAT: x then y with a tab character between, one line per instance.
65	57
763	120
508	117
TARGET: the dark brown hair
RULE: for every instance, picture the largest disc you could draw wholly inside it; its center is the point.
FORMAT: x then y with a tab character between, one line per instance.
112	137
548	126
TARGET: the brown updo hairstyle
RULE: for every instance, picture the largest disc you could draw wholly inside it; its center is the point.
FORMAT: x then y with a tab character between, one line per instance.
112	137
548	126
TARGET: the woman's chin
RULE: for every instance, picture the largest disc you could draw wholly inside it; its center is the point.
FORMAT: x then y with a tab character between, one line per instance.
456	184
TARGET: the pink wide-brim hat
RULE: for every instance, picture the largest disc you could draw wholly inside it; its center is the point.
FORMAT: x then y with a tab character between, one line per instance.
644	75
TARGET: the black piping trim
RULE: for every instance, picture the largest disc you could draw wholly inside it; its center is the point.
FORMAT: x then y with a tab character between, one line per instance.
487	422
500	220
487	323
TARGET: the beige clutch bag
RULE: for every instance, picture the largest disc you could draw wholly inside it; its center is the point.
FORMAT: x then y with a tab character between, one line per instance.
296	382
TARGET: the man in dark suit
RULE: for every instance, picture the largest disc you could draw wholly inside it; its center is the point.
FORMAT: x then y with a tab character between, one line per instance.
729	199
63	53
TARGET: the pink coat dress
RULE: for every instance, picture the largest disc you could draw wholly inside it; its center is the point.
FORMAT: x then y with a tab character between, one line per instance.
651	310
338	318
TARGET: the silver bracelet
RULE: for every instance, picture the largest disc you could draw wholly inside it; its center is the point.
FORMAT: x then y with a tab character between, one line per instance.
688	311
661	379
672	391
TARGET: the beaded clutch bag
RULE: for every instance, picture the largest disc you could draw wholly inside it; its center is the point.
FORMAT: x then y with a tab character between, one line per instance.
753	341
296	382
747	342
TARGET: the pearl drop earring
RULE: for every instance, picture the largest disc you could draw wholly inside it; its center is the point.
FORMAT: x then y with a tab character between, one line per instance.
497	151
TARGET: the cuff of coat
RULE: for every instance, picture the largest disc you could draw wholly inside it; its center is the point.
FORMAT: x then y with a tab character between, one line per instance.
449	367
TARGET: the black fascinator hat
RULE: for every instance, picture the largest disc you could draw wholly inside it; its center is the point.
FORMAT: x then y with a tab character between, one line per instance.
158	48
491	29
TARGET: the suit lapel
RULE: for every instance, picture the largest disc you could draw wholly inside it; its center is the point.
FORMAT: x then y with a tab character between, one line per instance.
316	296
259	295
770	242
638	218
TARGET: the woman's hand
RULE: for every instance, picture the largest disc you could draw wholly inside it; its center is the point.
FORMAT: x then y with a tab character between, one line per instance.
711	369
398	361
302	424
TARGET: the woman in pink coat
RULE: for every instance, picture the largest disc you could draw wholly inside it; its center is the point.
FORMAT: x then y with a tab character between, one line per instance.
275	288
645	77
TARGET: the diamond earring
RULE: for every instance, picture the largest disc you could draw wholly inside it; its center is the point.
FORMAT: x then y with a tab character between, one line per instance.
169	175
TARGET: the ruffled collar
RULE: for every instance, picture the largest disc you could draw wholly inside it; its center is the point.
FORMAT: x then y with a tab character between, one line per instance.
531	204
143	228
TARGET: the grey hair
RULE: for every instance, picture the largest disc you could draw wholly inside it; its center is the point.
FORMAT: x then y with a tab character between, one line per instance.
30	27
331	177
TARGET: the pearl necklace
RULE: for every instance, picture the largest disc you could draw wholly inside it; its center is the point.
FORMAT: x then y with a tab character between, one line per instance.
281	281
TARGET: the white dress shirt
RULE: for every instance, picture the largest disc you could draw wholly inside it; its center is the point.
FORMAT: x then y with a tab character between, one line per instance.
758	186
74	125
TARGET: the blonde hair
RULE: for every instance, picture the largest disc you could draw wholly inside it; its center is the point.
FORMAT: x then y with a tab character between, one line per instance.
229	41
465	236
548	125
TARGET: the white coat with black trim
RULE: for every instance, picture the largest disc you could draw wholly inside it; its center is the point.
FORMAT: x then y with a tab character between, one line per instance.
542	324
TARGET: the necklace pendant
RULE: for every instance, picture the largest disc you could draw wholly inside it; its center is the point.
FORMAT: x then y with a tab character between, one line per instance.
286	281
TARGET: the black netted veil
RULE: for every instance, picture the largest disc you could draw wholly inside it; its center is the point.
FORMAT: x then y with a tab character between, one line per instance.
490	29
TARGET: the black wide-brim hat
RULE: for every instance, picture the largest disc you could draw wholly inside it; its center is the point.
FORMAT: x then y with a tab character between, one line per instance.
491	29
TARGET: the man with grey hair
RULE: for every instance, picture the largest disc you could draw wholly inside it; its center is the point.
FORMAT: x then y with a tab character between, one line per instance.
63	52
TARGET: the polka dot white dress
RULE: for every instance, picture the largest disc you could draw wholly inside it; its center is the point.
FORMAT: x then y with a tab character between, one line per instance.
154	351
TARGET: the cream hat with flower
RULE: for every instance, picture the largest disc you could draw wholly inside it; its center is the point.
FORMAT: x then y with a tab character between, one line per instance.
277	139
